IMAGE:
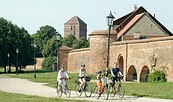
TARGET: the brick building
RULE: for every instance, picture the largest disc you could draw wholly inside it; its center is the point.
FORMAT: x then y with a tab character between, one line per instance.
139	44
75	26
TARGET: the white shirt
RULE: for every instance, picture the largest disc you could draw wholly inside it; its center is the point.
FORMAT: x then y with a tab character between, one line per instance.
81	73
62	75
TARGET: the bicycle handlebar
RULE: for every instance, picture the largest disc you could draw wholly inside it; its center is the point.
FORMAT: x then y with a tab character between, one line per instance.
65	78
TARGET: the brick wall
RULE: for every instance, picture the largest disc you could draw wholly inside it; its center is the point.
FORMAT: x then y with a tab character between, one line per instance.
138	53
132	55
78	57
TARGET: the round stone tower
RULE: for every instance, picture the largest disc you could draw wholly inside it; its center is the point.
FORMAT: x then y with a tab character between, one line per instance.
98	48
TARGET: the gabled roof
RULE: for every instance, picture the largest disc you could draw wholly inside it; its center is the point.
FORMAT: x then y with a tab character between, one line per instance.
75	20
130	24
126	22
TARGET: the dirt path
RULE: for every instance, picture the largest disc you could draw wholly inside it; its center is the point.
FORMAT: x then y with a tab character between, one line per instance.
22	86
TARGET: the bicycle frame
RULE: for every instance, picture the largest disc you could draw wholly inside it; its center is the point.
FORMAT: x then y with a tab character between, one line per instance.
63	89
83	89
118	88
117	84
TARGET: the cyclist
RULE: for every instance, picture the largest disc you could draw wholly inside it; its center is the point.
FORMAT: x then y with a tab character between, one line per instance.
116	73
100	84
82	72
62	76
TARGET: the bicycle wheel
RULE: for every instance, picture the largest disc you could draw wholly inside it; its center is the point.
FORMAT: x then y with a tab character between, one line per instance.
78	90
112	91
121	90
105	93
96	92
88	90
59	90
67	91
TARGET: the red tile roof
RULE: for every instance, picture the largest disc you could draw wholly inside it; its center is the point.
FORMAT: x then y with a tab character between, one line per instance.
124	23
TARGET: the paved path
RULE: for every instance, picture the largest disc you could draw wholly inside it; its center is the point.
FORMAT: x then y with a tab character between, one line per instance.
22	86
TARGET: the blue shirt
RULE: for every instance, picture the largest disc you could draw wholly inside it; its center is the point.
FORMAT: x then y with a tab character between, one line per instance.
115	71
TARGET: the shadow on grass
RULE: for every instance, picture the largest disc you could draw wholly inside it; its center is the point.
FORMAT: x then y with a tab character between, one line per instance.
37	71
139	95
29	71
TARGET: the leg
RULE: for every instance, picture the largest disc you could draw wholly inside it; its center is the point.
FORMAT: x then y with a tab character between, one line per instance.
99	87
81	82
113	81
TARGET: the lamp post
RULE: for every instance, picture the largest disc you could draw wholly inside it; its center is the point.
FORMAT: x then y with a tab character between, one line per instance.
58	37
17	51
110	20
8	55
34	62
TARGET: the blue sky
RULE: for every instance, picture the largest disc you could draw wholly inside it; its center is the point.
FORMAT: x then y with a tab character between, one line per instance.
32	14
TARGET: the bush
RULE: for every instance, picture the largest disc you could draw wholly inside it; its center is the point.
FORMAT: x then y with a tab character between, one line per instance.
48	62
104	71
157	76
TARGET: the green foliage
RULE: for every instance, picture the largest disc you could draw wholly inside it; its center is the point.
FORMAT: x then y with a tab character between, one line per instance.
73	42
81	43
41	37
11	38
50	48
48	62
104	71
69	40
157	76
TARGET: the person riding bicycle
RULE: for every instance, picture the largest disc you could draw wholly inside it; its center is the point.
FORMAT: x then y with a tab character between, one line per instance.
116	73
82	72
100	84
62	76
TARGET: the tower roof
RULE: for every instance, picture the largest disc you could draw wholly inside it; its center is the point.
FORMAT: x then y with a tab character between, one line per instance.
75	20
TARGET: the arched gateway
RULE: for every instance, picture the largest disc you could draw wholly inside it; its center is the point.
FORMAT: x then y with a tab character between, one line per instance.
121	63
131	74
144	73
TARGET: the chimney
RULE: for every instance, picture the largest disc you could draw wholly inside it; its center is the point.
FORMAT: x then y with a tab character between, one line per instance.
135	7
154	15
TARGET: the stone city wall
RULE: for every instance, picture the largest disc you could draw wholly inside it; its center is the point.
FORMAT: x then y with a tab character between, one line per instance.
139	53
134	56
78	57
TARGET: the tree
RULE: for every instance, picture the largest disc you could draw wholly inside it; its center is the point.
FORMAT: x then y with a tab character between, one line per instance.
41	37
11	38
50	48
48	62
69	40
73	42
80	43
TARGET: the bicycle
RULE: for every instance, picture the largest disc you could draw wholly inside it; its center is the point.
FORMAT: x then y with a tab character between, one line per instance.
63	89
117	88
86	88
104	92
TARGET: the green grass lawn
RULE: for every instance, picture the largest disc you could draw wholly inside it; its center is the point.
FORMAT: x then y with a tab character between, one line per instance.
156	90
13	97
48	77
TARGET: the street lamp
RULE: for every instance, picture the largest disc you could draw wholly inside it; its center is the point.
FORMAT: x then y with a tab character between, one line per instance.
8	55
34	61
58	37
17	51
110	20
